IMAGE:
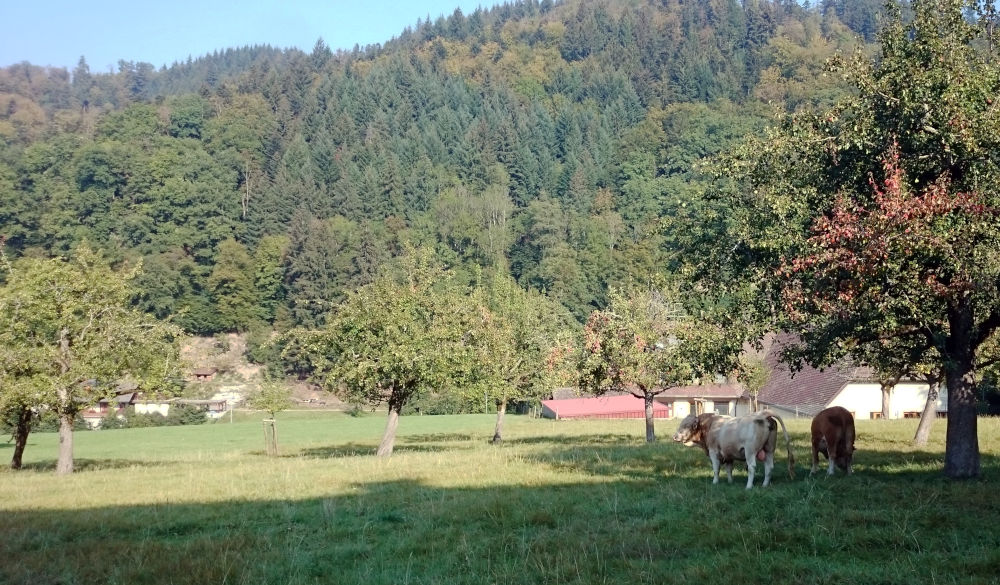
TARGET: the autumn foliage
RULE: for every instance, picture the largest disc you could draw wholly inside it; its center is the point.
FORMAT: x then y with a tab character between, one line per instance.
900	244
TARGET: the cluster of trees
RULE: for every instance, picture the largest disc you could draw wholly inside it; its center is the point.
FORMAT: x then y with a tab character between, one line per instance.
259	187
417	331
560	143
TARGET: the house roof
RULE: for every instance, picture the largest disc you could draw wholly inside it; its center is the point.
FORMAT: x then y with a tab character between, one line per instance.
205	371
808	390
710	391
602	405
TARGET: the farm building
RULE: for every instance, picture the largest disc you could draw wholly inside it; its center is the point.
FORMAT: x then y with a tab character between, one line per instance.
810	390
204	374
673	402
117	404
728	399
623	406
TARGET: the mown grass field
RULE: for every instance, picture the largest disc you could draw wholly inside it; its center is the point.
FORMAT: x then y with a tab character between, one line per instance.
582	502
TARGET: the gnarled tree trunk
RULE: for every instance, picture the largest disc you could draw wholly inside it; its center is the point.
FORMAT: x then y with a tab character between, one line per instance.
67	410
389	436
928	415
22	426
650	432
961	455
498	430
65	463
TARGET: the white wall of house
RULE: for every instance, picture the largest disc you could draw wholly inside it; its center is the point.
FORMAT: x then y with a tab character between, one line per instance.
681	408
906	397
161	408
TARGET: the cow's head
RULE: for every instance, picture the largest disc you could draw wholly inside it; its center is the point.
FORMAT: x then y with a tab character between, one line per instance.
689	431
845	460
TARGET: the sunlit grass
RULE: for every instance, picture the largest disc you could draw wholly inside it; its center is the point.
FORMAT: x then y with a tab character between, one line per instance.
558	502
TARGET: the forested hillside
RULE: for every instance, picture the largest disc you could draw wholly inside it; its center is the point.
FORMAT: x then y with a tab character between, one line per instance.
258	185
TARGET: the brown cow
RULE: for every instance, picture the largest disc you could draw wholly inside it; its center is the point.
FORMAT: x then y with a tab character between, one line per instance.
726	439
833	436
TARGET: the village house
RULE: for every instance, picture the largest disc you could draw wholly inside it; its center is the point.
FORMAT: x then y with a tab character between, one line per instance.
677	402
800	394
204	374
810	390
105	406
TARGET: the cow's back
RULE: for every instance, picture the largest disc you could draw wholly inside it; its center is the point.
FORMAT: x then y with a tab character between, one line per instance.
732	435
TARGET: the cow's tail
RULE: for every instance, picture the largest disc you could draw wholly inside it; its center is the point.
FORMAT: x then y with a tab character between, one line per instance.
788	442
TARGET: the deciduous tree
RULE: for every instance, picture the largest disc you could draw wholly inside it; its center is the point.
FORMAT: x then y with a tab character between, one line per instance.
514	335
390	341
645	344
879	216
73	318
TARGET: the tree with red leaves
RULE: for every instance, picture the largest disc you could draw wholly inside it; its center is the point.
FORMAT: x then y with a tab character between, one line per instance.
870	230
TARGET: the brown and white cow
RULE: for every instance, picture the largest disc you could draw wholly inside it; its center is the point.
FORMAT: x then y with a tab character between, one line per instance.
726	439
833	436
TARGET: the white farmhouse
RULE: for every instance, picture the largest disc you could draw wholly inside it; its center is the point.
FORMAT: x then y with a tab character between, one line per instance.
855	388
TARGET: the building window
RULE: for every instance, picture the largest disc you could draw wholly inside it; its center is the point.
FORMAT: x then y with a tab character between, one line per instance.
911	414
722	408
876	414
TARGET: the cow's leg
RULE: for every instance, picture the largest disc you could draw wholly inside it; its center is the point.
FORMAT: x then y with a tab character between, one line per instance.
832	452
715	467
729	471
768	466
819	446
751	465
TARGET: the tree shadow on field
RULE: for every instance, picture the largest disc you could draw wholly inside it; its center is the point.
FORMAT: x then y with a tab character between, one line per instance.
389	532
93	464
666	459
439	438
595	439
359	450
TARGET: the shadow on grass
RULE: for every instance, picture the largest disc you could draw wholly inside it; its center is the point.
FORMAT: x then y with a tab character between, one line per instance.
94	464
618	457
595	439
621	532
440	438
361	449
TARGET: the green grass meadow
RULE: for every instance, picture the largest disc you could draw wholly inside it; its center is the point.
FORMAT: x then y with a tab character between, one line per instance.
582	502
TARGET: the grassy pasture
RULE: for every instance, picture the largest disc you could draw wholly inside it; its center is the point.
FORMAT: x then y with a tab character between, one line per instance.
583	502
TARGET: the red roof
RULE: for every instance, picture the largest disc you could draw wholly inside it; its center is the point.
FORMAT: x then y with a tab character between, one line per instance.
627	406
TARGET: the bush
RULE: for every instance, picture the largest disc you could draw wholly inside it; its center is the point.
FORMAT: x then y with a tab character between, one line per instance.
264	349
48	422
446	403
112	421
139	421
185	414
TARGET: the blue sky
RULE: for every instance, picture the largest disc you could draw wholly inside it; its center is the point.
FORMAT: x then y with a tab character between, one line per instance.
58	32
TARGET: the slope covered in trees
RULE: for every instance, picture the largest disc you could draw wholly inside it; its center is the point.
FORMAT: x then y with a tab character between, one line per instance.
261	186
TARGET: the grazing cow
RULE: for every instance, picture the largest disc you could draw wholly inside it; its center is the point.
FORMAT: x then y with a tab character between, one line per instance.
833	436
725	439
